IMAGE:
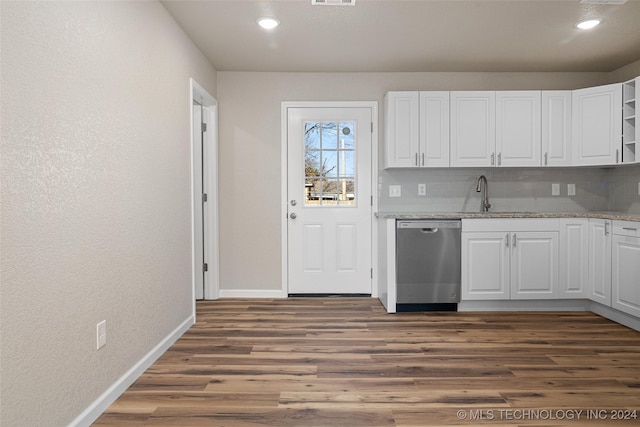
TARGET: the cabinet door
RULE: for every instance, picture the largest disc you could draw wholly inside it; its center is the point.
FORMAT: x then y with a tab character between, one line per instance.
473	127
573	258
626	274
534	265
401	129
556	128
485	266
597	125
434	129
600	261
518	128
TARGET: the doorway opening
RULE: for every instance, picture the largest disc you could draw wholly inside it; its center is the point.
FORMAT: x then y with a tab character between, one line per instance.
204	167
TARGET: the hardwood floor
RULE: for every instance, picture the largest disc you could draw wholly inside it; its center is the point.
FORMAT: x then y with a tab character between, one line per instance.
346	362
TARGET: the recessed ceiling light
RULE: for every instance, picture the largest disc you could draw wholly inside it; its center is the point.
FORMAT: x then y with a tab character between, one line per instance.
587	25
268	23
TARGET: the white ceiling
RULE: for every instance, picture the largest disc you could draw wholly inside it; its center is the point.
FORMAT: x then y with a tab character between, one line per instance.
411	35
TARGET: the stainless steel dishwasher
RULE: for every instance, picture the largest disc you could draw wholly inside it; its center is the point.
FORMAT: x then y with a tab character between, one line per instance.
428	265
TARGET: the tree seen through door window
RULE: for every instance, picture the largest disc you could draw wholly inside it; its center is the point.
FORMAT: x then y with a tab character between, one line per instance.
329	164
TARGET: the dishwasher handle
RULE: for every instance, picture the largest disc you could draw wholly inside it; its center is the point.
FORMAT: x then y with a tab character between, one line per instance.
429	225
429	230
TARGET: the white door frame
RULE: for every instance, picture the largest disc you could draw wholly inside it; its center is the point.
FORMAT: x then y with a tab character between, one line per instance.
211	244
284	117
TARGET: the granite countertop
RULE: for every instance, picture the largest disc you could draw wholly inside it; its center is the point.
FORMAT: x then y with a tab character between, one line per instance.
466	215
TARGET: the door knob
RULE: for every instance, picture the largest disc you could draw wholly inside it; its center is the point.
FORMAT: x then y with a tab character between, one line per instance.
293	216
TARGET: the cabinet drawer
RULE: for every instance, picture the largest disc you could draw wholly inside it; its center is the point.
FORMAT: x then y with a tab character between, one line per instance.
626	228
510	224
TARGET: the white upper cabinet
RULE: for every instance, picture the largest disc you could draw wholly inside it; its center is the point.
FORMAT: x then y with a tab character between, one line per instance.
518	128
434	129
473	128
417	129
556	128
401	129
495	128
597	125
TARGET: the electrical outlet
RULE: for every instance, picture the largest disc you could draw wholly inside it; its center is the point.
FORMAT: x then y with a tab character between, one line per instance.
555	189
422	189
101	334
395	191
571	189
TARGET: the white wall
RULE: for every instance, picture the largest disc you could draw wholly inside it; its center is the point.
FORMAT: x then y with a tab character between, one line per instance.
250	149
95	203
627	72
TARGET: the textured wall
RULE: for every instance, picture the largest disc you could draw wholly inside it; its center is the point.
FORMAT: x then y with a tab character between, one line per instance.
95	199
250	168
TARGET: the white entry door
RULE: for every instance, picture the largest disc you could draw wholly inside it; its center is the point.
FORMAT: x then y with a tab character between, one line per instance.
329	200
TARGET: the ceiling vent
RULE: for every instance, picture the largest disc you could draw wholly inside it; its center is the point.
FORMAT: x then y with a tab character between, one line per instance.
333	2
605	2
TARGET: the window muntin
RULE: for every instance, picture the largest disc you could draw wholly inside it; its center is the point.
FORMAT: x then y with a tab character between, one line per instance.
329	164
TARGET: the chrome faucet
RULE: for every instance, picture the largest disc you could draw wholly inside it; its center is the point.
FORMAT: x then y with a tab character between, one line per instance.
483	186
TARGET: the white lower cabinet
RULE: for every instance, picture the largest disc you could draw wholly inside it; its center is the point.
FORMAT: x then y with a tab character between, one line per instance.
600	261
485	266
537	259
509	259
626	267
534	265
573	258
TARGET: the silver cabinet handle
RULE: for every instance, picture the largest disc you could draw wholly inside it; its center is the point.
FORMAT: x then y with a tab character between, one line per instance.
416	159
606	228
293	216
546	159
507	239
293	203
493	157
515	239
499	159
629	229
617	155
422	159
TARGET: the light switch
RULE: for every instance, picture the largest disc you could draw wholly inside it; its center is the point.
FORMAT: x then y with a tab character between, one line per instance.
555	189
571	189
395	191
422	189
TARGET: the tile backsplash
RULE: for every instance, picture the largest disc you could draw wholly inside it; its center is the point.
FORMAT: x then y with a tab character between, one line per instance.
624	185
510	189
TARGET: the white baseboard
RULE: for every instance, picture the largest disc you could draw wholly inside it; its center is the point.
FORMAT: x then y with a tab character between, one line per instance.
525	305
252	293
93	411
616	315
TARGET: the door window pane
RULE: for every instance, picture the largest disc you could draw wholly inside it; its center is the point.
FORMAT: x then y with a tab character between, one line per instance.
330	164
